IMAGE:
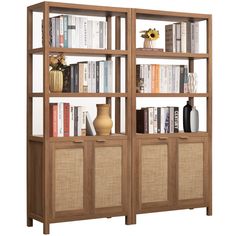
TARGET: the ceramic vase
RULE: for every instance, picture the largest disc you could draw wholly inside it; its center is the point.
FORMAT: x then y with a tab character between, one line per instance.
103	122
149	43
55	81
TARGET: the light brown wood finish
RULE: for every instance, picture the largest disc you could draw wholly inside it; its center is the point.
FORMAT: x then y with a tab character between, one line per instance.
117	73
41	181
29	111
209	112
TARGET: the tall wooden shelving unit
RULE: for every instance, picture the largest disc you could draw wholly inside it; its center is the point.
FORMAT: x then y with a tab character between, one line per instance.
128	157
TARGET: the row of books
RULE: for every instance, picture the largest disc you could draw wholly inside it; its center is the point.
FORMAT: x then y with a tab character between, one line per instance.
68	31
88	76
153	120
161	78
67	120
182	37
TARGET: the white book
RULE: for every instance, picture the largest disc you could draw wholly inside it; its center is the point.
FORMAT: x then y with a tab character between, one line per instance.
95	34
90	34
145	76
93	79
72	123
85	78
177	79
196	37
61	33
53	21
110	76
105	35
83	121
149	74
90	130
101	76
71	31
162	120
155	120
89	77
183	37
60	119
79	121
150	120
77	32
169	78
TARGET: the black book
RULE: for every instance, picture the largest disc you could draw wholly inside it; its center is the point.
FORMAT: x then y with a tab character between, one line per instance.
66	80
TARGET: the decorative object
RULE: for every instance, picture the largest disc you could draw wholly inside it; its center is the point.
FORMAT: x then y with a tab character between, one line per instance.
57	66
186	117
192	82
103	122
150	37
194	120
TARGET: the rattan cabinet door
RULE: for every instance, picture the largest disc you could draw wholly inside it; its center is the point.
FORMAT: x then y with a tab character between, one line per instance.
154	168
110	177
192	170
69	179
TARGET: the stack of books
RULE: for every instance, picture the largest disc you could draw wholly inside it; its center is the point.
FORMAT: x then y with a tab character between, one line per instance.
68	31
153	120
182	37
67	120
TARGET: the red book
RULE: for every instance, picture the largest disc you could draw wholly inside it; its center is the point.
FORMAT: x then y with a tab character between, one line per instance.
66	119
53	120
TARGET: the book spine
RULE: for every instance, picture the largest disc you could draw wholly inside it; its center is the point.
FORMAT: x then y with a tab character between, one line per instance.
76	121
183	37
53	119
76	78
72	78
166	120
178	36
145	120
176	119
79	121
65	30
158	120
72	122
140	121
97	76
60	120
101	77
105	74
155	120
66	119
150	120
67	80
110	76
61	32
171	109
196	37
57	32
93	77
85	78
100	34
83	121
53	20
181	84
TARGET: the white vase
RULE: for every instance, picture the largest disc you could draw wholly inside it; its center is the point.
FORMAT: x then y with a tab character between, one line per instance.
194	120
149	43
192	82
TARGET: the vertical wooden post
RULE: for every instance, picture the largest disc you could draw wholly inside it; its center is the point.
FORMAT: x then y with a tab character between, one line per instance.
131	219
209	112
46	156
117	73
29	108
108	57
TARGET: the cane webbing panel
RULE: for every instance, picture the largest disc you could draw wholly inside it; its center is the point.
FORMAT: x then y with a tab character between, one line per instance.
190	171
68	179
108	176
154	173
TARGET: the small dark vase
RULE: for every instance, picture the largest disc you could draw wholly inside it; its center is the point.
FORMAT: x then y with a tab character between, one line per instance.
186	117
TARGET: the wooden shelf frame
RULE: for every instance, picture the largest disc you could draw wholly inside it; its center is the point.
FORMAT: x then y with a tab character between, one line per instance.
131	54
143	14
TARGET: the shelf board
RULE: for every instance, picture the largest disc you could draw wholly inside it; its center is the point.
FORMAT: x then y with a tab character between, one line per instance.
146	14
80	51
81	95
142	53
180	135
77	139
172	94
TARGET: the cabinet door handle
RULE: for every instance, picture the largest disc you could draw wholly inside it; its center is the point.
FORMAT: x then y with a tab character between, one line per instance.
183	137
100	140
78	141
163	138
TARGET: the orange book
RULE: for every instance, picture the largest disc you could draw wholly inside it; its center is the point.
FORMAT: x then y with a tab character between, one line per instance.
53	119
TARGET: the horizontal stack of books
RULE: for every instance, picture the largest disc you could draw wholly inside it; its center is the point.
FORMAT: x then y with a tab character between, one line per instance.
67	120
153	120
161	78
182	37
89	76
68	31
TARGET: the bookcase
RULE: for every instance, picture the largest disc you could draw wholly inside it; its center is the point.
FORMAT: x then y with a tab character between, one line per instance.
124	173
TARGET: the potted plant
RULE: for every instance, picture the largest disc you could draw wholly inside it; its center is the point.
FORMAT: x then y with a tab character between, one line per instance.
150	37
57	65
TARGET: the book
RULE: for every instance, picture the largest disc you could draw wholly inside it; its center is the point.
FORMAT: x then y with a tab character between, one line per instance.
90	130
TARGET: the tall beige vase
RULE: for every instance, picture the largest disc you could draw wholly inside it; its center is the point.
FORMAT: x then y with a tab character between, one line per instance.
103	122
55	81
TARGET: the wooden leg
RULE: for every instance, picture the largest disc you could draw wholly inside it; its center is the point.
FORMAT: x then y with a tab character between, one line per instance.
45	228
209	210
29	222
130	220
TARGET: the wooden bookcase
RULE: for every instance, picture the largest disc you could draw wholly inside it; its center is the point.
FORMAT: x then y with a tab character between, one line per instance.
140	172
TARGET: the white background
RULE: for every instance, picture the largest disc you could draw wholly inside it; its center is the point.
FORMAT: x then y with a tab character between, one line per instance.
13	131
